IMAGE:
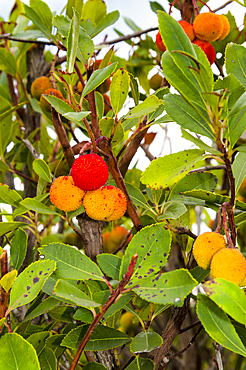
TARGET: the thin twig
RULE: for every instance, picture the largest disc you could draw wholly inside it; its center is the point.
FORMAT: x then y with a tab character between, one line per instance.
222	6
218	357
188	345
209	168
190	326
7	36
127	37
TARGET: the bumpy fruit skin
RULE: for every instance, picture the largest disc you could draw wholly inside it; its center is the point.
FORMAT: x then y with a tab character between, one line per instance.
188	28
208	49
229	264
65	195
206	246
99	204
160	43
44	103
89	172
208	26
120	203
226	27
39	86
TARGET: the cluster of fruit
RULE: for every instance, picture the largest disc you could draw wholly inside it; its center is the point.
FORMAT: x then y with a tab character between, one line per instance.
211	252
43	86
85	187
114	238
206	28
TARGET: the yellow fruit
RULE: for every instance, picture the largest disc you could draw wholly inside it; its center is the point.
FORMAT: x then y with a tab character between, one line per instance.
120	204
229	264
118	234
126	320
39	86
208	26
206	246
226	27
65	195
155	81
44	103
99	204
108	245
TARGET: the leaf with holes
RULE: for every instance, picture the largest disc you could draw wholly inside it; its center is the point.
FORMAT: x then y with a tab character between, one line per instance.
169	287
152	244
29	283
71	263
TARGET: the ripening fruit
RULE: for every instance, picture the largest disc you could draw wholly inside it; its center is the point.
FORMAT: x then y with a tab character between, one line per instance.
120	204
188	28
155	81
208	26
206	246
99	204
208	49
226	27
65	195
44	103
118	234
229	264
126	320
39	86
159	42
89	171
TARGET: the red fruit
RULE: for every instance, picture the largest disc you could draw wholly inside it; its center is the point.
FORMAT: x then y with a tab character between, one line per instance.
159	43
207	48
89	172
188	28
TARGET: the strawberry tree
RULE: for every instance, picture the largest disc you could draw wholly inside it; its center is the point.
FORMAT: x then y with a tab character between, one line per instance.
68	298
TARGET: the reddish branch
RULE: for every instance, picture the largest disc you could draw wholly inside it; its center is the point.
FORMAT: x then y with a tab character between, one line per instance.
104	309
3	294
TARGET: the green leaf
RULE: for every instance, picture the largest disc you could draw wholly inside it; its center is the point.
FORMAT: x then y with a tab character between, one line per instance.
239	169
37	340
37	206
110	264
18	248
155	6
3	166
43	307
85	47
11	110
117	306
71	263
39	19
9	196
44	13
165	171
149	105
186	135
66	290
19	353
192	181
172	210
105	22
29	283
42	169
235	61
60	105
98	77
94	11
141	364
229	297
136	196
232	84
106	126
84	315
146	341
119	89
8	280
131	24
186	116
47	359
199	274
7	62
102	338
6	125
72	41
62	313
236	120
54	343
94	366
169	287
134	89
6	227
218	326
152	243
99	104
77	5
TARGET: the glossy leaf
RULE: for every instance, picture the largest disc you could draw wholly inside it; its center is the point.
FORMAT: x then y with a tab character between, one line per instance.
141	364
172	210
106	21
102	338
152	243
155	6
239	169
6	125
9	196
72	41
147	106
119	305
7	62
42	169
29	283
165	171
39	19
119	88
229	297
236	120
85	47
76	4
199	274
37	206
235	88
98	77
6	227
106	127
37	340
146	341
110	264
169	287
198	142
54	343
218	326
62	313
83	314
94	10
8	280
60	105
136	196
134	89
65	290
43	307
17	353
235	61
71	263
47	359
